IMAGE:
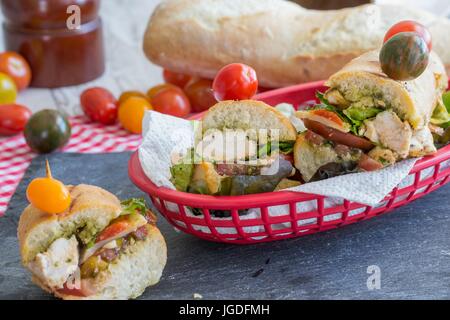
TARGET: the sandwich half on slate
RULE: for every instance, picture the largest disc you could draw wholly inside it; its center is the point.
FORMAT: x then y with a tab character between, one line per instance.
241	147
367	121
99	248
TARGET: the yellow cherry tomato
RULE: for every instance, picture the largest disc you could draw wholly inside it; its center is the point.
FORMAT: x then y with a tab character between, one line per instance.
131	113
8	89
48	194
128	94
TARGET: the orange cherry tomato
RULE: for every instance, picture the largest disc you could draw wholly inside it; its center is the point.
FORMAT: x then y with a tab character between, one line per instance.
14	65
13	118
200	94
128	94
178	79
172	101
112	230
151	93
48	194
235	81
131	113
410	26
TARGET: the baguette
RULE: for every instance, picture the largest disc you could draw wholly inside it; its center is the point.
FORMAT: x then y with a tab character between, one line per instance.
285	43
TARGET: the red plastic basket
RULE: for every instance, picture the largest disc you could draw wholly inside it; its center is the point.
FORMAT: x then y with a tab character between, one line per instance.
240	229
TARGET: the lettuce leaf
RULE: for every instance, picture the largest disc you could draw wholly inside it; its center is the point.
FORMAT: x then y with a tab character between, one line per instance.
181	175
352	115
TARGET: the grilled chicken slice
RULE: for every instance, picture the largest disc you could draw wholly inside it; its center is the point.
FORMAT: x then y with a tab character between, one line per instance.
388	130
59	262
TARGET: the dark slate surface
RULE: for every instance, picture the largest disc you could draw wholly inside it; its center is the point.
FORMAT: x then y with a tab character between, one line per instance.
410	245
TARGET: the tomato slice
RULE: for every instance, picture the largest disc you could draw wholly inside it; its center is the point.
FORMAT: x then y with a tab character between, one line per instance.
328	115
112	230
71	292
368	164
337	136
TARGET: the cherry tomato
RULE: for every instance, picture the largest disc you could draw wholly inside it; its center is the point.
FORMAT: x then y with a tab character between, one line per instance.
177	79
8	89
235	81
337	136
172	101
47	130
99	105
131	113
404	57
13	118
48	194
14	65
200	94
160	87
128	94
410	26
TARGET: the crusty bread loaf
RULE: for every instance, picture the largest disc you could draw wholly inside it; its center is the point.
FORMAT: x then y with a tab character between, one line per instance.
37	229
413	100
248	114
285	43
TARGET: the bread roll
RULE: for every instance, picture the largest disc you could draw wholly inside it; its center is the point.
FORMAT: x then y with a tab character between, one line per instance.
248	114
285	43
413	100
52	248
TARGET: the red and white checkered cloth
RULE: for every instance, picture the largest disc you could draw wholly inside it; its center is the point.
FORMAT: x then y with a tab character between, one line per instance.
87	137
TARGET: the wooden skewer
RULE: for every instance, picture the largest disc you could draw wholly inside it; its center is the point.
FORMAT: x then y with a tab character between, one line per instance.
47	169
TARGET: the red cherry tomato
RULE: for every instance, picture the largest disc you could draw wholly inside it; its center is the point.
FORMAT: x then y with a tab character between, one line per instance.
172	101
410	26
13	118
200	94
99	105
235	81
14	65
158	88
178	79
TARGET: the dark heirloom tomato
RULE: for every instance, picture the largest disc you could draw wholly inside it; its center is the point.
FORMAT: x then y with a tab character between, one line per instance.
99	105
235	81
404	57
47	130
337	136
410	26
200	94
13	118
